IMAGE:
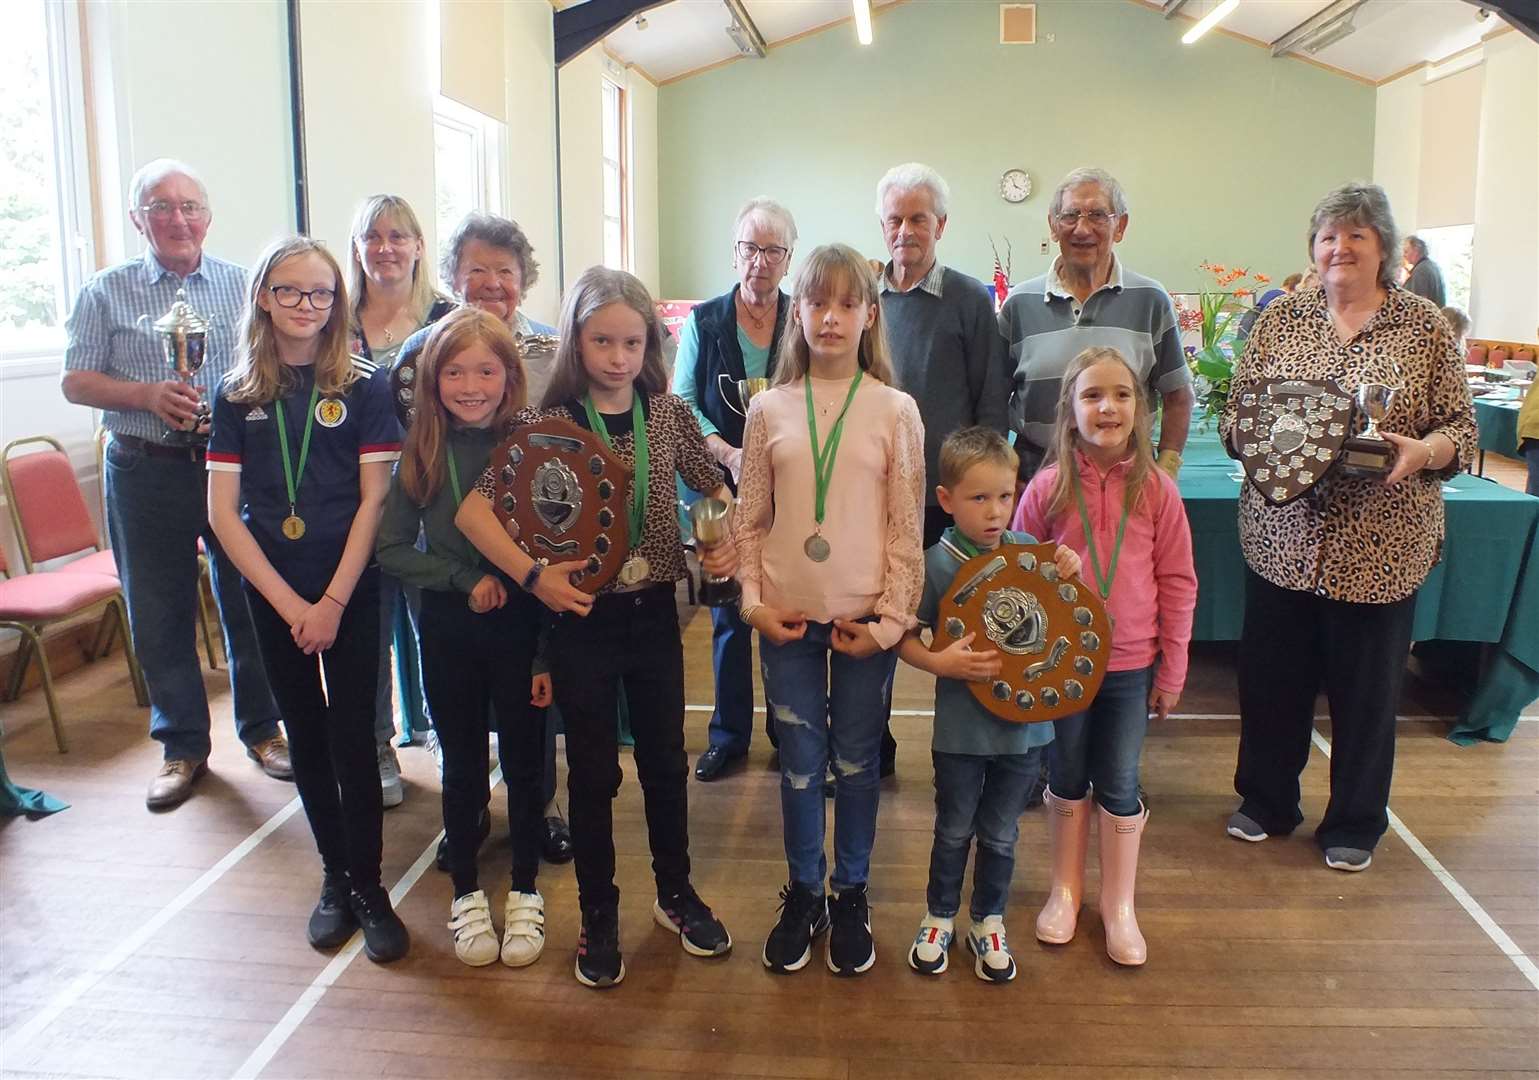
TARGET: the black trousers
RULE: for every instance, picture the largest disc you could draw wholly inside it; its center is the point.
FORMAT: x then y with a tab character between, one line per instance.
476	666
331	730
629	638
1294	642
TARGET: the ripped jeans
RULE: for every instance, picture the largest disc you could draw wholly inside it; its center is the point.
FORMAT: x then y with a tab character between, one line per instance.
828	707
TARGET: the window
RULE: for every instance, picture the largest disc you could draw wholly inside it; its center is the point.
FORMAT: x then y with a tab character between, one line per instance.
1451	248
466	152
45	232
617	255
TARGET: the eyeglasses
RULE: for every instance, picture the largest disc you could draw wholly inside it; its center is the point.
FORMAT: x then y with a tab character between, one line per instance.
160	210
773	256
289	297
1098	219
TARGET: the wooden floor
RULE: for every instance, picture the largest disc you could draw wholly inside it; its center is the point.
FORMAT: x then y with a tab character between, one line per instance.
166	946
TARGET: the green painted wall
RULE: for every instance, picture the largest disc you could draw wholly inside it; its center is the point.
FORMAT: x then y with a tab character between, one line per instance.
1222	149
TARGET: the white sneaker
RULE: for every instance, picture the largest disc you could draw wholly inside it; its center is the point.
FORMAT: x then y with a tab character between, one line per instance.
523	928
986	940
931	950
390	787
475	939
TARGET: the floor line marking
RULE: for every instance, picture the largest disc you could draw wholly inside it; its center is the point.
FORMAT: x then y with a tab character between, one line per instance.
268	1048
86	980
1482	918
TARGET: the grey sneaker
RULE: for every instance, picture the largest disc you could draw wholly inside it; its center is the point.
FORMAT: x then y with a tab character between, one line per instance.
1242	827
1350	859
390	788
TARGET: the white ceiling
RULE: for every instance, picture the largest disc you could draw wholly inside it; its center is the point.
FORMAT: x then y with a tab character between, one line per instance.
1392	35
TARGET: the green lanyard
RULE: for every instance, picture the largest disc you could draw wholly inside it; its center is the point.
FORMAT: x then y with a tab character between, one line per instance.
291	478
641	483
1103	581
454	474
823	462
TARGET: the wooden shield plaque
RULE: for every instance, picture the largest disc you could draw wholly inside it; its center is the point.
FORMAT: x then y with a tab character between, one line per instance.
1053	636
1289	434
567	496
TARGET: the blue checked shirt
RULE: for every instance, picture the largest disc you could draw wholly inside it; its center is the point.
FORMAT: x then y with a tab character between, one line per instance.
105	335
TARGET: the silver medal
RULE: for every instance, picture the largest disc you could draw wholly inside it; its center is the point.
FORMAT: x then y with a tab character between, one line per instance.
635	570
817	548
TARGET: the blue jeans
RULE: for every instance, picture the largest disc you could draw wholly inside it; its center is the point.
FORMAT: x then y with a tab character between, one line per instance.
984	797
156	510
1100	747
828	707
732	662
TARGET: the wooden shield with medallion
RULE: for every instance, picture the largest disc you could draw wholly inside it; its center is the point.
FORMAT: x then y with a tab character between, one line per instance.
1053	636
1289	433
564	497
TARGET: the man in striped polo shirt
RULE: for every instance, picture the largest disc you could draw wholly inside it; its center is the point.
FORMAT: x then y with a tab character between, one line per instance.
1088	298
156	493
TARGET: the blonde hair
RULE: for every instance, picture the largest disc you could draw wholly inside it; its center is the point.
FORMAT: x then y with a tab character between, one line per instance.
970	446
1066	433
424	290
422	451
827	270
599	287
259	376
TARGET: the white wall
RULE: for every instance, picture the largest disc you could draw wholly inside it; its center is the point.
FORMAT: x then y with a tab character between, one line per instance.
531	164
644	229
1504	300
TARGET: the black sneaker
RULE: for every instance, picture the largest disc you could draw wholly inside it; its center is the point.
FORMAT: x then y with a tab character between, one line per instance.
441	856
599	963
384	935
803	916
700	932
332	922
850	948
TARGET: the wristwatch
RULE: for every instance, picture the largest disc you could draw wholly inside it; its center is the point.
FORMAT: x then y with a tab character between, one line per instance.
532	576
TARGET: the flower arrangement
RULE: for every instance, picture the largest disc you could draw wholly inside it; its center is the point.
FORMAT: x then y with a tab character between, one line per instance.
1213	362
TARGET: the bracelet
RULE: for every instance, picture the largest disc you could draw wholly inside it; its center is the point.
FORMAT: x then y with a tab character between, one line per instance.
746	611
532	576
334	600
1428	444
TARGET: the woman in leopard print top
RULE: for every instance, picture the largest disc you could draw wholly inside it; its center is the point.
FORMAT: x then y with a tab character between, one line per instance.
1332	576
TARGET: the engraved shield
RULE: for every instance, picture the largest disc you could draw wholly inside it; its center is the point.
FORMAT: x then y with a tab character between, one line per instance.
1053	636
1289	434
568	497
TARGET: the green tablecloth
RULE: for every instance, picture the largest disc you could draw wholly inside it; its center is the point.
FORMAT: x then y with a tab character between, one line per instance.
1498	422
1486	589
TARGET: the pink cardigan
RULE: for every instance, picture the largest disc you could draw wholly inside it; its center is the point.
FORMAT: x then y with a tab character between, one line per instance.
872	515
1155	590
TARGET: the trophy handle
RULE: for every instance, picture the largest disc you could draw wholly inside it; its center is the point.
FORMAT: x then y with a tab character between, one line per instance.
740	409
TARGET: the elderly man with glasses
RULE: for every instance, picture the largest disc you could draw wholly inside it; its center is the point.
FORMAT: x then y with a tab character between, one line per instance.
1087	297
155	479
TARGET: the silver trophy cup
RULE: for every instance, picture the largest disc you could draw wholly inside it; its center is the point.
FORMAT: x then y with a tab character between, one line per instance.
1369	454
708	519
183	337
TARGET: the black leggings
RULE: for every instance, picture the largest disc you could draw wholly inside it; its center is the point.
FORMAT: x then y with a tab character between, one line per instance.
631	638
471	662
331	730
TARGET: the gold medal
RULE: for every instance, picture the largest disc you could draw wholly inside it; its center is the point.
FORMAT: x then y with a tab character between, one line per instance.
293	526
635	570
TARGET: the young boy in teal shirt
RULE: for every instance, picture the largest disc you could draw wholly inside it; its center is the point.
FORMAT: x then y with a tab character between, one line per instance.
984	766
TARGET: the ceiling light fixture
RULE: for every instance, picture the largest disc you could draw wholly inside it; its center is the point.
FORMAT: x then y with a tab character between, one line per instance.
641	22
744	34
863	21
1209	21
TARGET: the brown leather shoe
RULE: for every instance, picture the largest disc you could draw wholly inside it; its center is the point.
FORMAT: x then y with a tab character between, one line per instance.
173	783
273	755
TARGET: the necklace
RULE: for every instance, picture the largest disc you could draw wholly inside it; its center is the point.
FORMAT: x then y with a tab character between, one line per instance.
758	318
389	336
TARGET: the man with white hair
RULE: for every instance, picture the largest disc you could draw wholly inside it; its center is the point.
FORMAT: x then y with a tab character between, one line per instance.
1088	298
941	329
1423	276
156	491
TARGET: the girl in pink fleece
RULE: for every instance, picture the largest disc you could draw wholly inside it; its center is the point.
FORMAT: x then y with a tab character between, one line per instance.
1103	496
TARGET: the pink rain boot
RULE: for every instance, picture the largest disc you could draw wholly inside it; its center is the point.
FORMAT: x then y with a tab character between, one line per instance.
1069	826
1119	867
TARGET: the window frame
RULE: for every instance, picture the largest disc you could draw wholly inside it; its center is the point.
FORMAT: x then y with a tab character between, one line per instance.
489	139
622	168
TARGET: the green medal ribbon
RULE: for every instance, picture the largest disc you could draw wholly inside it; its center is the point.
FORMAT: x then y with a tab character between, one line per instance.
454	474
962	543
823	462
641	483
1103	582
291	478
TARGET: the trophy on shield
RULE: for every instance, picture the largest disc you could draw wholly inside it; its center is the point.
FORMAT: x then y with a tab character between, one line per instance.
184	344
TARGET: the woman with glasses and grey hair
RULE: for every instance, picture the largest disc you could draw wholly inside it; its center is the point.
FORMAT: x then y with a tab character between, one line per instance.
734	337
1331	577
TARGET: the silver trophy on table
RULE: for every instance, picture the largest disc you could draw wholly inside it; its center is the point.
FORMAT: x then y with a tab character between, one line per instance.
183	337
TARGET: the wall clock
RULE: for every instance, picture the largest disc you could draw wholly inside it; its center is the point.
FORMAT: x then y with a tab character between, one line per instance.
1015	186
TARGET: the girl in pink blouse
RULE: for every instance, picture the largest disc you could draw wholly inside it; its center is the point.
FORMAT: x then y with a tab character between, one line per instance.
1103	496
828	533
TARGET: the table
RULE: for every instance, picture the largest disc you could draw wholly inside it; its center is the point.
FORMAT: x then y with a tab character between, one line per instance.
1497	418
1485	589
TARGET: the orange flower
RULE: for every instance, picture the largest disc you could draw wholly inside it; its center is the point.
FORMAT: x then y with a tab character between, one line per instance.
1262	279
1242	292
